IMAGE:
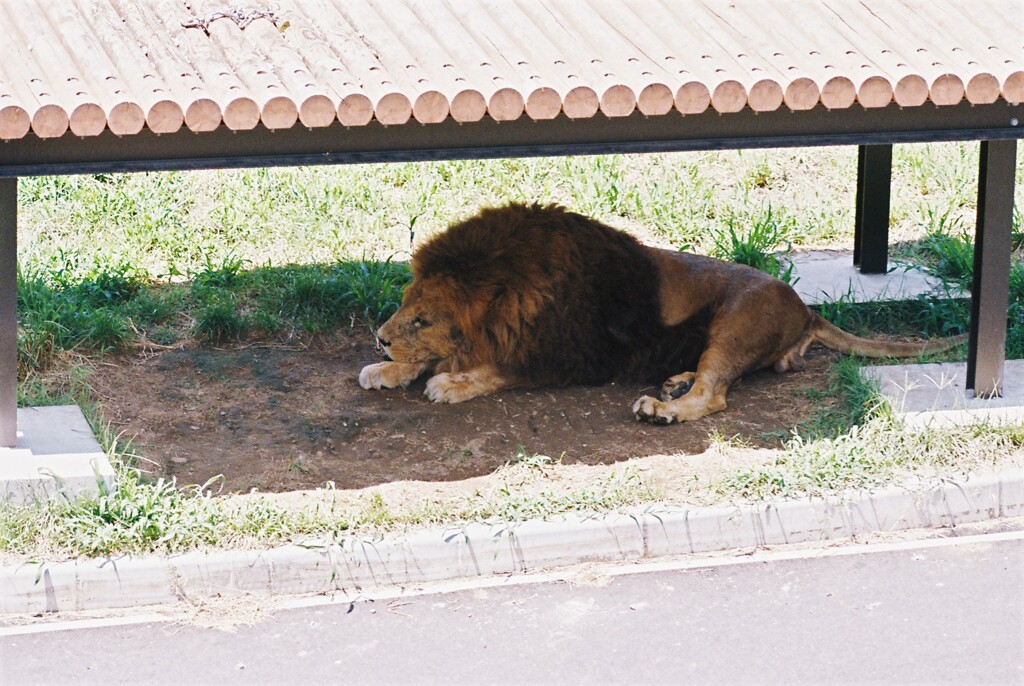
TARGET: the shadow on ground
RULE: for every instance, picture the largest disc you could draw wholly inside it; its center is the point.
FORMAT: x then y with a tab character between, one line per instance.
277	418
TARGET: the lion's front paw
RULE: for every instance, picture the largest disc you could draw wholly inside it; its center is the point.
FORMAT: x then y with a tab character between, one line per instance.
372	376
389	375
450	388
652	410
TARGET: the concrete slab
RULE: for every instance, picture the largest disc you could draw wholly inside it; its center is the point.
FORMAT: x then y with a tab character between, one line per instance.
830	276
57	454
59	429
922	394
933	395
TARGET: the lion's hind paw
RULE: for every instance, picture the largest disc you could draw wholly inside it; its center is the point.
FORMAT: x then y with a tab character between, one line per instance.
677	386
648	409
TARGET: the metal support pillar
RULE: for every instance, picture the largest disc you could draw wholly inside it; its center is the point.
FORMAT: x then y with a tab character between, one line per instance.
871	223
990	291
8	312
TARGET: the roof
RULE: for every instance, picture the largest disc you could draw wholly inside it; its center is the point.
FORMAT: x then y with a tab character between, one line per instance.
89	66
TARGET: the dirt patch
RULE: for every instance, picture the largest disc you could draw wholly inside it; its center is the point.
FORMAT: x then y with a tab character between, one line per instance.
281	419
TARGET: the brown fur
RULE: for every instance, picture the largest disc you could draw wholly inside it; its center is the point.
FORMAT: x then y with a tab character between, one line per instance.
530	295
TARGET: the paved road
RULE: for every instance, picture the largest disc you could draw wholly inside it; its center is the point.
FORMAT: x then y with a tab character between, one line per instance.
932	612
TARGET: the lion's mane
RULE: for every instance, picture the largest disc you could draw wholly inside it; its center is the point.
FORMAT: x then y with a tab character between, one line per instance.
552	297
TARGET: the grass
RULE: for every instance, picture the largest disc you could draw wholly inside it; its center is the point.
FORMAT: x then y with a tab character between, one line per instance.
109	309
231	304
116	260
271	252
870	455
848	400
61	311
921	316
177	223
143	516
947	251
759	246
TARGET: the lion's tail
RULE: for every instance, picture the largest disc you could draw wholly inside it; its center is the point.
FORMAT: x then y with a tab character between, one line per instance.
835	338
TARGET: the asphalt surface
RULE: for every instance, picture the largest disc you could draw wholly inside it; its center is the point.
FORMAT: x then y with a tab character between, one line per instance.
938	612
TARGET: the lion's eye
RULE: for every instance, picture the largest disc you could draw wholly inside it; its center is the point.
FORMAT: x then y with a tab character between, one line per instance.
420	323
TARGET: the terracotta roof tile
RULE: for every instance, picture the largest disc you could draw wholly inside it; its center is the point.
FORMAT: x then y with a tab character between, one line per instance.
125	65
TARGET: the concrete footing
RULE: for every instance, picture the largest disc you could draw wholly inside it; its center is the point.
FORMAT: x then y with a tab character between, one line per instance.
933	395
830	276
56	454
924	395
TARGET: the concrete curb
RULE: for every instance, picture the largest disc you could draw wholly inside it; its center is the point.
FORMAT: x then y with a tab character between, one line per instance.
482	549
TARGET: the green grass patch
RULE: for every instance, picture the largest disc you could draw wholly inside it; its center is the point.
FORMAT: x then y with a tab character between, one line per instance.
761	245
235	304
847	400
921	316
877	453
64	310
947	250
142	516
173	223
60	311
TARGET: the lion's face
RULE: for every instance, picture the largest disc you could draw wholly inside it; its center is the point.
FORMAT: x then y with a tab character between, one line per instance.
423	330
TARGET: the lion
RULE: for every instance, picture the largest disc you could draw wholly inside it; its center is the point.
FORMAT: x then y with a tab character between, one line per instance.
536	295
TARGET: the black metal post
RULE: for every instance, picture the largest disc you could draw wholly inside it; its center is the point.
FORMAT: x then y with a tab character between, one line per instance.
990	289
8	312
871	223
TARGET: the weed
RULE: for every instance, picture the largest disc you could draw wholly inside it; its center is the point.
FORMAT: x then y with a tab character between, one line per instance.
375	287
298	464
950	257
761	176
758	247
223	275
144	516
66	308
376	512
63	380
313	298
155	305
924	315
847	401
530	460
107	329
220	321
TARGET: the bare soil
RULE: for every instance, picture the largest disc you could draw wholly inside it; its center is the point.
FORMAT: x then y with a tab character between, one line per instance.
277	418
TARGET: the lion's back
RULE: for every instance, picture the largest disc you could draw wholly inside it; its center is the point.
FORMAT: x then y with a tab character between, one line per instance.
570	300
